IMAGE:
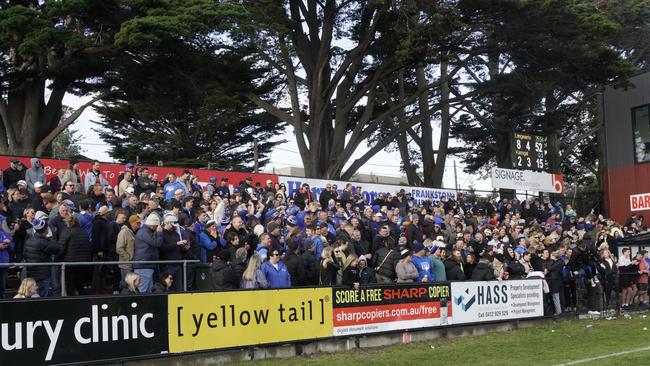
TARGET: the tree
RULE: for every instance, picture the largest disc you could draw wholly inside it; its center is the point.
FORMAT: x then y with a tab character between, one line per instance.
66	145
180	104
537	62
326	52
51	48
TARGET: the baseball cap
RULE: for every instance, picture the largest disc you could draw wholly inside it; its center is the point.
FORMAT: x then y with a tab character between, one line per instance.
38	185
418	247
128	166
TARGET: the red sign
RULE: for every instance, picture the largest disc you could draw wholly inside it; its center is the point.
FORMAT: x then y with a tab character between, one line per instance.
640	202
112	170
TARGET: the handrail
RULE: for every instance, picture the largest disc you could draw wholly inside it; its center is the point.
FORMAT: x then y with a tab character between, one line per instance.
184	262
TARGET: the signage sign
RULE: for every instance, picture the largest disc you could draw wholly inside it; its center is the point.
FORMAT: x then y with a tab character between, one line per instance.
70	330
203	321
640	202
526	180
385	308
370	191
497	300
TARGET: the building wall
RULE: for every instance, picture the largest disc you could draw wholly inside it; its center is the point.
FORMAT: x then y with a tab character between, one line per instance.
623	176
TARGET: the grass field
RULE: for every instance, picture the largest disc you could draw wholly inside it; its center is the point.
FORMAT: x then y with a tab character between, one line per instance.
554	343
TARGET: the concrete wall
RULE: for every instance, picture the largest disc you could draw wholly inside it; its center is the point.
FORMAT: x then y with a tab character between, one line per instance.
332	345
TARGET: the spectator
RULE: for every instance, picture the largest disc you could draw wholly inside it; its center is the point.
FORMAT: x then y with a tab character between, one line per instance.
276	272
238	265
75	247
34	174
220	275
423	264
294	263
131	284
253	277
164	284
454	267
329	266
386	259
366	273
28	289
310	263
351	276
56	183
175	244
209	242
73	175
405	270
437	257
14	174
38	249
6	249
148	241
94	176
483	271
642	278
125	244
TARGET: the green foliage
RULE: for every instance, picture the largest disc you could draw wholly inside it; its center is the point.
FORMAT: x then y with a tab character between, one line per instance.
66	145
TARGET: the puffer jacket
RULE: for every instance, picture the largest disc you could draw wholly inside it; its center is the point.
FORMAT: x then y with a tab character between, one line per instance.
39	249
147	247
75	245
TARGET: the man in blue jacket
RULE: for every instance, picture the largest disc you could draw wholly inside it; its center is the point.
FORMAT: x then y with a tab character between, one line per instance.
423	264
148	241
276	272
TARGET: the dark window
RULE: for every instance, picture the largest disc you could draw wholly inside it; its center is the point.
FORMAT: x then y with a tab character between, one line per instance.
641	128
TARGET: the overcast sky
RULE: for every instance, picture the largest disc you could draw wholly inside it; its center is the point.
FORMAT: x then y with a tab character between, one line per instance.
284	155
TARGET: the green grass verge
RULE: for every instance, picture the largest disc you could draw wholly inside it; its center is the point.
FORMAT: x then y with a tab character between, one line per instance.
553	343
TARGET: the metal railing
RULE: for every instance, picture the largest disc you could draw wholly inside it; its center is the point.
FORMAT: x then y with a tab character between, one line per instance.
63	265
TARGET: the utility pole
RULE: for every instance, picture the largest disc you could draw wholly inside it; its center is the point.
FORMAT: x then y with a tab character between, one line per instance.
455	177
255	157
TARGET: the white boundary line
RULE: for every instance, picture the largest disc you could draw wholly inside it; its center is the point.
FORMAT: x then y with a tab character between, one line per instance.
605	356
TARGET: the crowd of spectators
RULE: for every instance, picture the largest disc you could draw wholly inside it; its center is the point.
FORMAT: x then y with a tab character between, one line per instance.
255	235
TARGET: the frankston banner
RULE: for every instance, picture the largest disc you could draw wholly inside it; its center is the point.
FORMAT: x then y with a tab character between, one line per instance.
42	332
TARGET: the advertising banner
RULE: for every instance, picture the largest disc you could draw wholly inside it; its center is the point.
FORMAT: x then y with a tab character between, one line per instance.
496	300
385	308
203	321
526	180
640	202
111	171
41	332
370	191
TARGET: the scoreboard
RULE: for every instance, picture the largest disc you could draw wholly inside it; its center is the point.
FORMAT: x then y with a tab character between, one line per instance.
529	152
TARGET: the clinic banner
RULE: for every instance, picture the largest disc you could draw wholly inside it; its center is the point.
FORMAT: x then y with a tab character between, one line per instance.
71	330
384	308
203	321
370	191
527	180
497	300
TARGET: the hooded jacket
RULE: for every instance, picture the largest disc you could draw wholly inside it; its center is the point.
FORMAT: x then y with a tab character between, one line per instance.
75	245
33	175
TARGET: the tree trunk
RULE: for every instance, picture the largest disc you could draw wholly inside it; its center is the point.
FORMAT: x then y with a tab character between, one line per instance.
445	123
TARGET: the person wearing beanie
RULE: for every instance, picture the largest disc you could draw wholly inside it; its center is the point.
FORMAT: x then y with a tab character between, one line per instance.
148	241
38	249
175	244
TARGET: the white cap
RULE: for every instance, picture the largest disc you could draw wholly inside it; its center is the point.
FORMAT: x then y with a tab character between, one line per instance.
152	220
38	185
129	190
